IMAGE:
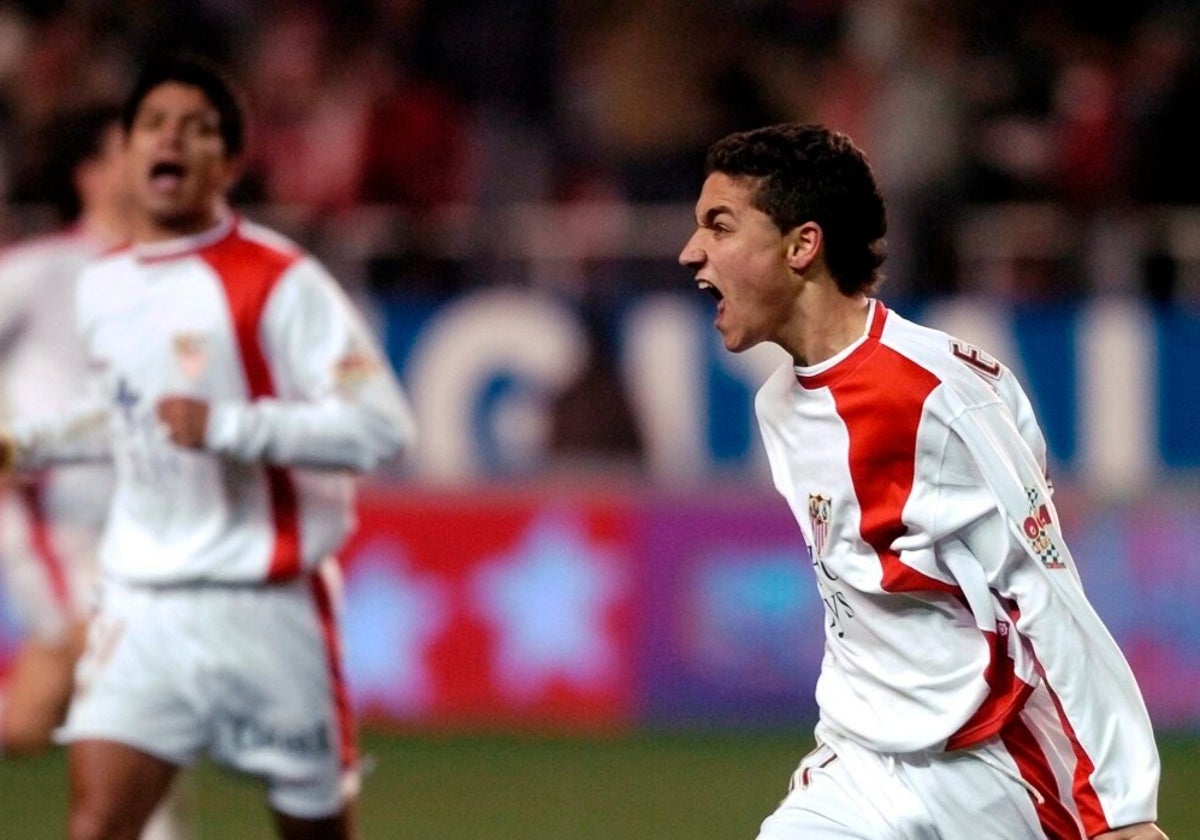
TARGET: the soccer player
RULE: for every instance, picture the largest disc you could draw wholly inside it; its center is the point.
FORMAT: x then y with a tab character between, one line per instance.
50	521
238	392
968	688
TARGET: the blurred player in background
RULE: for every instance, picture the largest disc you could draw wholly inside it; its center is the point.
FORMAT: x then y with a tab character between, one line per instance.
50	521
238	391
968	688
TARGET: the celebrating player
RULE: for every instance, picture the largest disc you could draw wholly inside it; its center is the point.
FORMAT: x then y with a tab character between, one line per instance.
237	391
968	688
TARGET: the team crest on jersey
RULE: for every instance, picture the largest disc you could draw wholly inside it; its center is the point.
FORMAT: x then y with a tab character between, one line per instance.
820	508
191	352
1034	527
352	370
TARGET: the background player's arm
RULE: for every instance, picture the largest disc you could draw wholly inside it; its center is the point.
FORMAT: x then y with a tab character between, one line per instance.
77	435
340	405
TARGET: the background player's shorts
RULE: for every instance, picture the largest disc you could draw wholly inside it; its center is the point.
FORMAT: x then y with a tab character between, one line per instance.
49	530
250	674
995	791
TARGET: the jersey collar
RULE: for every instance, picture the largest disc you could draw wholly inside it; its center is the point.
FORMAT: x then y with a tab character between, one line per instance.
825	375
173	248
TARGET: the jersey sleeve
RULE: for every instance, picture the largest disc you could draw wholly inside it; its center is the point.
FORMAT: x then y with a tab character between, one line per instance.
336	402
81	433
1026	560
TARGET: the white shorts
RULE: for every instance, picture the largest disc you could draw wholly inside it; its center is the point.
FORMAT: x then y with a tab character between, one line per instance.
252	675
49	531
1003	789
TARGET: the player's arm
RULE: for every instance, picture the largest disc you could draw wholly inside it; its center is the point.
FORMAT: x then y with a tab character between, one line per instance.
77	435
1027	561
337	405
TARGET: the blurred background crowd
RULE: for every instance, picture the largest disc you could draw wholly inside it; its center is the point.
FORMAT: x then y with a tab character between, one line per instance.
396	137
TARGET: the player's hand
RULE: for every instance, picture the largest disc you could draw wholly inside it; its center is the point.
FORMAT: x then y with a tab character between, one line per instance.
185	420
8	453
1140	831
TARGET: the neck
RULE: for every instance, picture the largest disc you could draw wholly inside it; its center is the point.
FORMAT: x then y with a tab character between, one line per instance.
826	322
107	228
147	227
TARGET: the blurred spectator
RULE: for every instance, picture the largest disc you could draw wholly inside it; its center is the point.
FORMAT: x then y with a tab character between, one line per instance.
421	105
1161	75
896	86
641	97
345	121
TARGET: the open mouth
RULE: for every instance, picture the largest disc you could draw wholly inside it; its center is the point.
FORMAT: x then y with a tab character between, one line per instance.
705	286
166	174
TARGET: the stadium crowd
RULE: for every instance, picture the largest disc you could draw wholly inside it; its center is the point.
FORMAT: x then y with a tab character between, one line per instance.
416	107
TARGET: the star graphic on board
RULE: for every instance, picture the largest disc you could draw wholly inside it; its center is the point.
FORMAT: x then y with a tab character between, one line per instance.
547	600
392	615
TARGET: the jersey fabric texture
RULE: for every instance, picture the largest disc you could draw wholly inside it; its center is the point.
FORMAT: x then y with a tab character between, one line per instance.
300	398
915	468
49	523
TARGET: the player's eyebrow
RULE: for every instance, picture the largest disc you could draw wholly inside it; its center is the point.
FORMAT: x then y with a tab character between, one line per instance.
711	214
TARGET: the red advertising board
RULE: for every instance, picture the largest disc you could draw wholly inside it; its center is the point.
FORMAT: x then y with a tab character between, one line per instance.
517	612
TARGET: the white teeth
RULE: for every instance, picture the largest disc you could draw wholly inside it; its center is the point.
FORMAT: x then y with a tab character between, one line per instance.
704	284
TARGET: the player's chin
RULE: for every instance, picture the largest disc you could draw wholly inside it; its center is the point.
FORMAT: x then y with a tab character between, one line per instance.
735	341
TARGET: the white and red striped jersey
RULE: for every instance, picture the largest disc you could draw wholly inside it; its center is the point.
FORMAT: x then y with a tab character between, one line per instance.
916	470
300	398
49	524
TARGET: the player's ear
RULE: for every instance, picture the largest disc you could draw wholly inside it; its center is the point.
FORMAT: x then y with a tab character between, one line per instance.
235	167
803	242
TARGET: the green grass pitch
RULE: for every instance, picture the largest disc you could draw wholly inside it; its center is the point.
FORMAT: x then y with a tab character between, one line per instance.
638	785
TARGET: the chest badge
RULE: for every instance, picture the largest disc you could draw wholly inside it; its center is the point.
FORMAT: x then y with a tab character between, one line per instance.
820	508
191	353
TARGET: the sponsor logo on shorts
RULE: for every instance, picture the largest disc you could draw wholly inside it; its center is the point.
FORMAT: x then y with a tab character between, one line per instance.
255	734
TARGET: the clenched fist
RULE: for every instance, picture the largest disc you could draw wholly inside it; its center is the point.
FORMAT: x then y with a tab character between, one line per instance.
185	420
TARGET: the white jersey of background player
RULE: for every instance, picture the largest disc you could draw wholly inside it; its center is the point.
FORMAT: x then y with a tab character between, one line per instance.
968	688
238	392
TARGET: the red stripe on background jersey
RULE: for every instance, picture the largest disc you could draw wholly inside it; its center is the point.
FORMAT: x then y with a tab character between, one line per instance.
1054	815
248	272
347	745
42	542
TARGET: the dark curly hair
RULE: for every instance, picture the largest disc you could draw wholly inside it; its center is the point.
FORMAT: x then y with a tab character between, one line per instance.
198	71
811	173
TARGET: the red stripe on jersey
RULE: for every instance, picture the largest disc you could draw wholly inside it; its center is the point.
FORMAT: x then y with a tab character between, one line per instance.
43	546
1006	697
1086	799
248	272
1056	818
1007	693
347	745
882	426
